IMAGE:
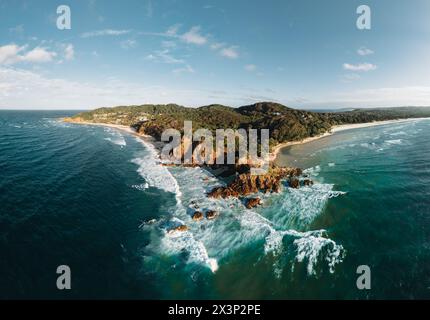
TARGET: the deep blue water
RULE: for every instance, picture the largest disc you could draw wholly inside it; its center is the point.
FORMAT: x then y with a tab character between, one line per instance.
96	200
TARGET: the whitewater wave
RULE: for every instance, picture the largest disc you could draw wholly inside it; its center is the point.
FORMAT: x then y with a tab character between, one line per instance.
150	168
207	242
178	242
115	137
297	208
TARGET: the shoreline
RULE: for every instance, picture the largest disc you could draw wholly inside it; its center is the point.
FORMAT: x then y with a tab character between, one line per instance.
276	150
110	125
338	128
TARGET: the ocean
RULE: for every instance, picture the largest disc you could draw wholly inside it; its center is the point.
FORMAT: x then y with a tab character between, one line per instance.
97	200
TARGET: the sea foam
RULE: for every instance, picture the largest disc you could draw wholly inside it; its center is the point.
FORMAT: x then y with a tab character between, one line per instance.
207	242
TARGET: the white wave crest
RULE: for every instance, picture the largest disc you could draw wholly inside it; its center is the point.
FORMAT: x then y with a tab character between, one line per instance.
115	137
177	242
153	172
313	247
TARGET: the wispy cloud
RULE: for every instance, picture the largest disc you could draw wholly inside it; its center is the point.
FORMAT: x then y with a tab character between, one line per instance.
186	69
69	52
363	67
164	56
363	51
128	44
217	45
230	52
347	78
106	32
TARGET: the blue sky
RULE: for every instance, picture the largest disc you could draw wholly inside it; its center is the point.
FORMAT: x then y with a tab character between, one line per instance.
302	53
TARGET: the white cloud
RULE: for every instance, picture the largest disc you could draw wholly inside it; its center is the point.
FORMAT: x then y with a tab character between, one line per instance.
9	53
250	67
106	32
230	52
194	36
22	89
39	55
69	52
359	67
12	54
363	51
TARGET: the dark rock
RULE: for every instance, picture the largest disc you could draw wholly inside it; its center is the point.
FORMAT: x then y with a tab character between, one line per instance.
197	216
245	184
253	202
308	182
211	214
294	183
181	228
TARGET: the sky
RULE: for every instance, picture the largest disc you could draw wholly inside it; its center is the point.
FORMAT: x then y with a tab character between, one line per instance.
301	53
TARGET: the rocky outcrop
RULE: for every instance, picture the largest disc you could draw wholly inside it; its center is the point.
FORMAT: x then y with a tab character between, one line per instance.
294	183
253	202
181	228
197	216
245	184
211	214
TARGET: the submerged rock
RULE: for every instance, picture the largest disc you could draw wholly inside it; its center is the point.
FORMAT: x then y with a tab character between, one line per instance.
197	216
253	202
211	214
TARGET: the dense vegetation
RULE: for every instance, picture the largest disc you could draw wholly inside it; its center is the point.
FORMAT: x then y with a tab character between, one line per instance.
285	124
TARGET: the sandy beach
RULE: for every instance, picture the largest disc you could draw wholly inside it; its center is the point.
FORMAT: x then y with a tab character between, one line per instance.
335	129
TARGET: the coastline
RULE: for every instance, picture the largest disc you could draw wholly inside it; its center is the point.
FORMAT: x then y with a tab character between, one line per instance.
276	150
344	127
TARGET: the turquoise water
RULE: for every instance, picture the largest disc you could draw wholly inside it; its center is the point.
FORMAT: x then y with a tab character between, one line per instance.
97	200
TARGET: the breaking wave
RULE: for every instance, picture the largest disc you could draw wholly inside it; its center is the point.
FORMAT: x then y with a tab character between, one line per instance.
115	137
153	172
207	242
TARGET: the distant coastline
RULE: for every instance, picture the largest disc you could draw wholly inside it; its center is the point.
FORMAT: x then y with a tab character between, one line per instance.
338	128
276	149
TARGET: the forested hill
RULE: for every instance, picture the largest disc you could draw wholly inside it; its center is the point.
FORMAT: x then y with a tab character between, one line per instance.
285	124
